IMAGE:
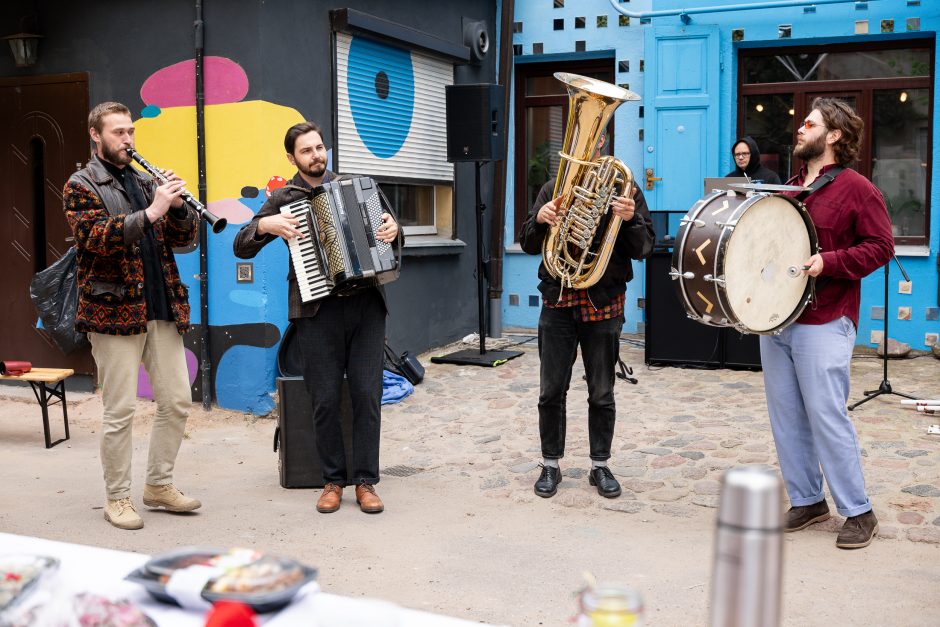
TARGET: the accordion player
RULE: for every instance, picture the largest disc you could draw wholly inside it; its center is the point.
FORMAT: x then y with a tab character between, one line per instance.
339	221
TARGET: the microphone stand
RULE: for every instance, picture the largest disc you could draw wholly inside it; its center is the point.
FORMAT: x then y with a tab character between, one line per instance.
481	356
885	387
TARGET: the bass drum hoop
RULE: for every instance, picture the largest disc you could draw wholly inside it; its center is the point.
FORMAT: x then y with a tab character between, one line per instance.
678	252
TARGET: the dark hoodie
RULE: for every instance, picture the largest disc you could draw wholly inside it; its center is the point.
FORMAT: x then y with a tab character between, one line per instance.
754	170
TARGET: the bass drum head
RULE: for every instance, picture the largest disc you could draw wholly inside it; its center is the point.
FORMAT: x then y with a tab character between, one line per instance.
769	237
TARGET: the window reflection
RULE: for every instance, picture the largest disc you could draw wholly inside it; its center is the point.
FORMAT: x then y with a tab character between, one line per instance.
835	66
769	120
899	140
414	203
545	134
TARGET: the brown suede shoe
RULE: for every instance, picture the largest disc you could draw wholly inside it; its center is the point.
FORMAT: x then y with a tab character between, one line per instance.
803	516
330	499
858	531
368	500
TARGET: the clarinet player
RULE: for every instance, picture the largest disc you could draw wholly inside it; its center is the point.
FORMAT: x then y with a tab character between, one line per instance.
133	307
339	335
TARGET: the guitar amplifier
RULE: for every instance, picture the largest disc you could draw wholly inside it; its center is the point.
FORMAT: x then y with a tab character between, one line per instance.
295	438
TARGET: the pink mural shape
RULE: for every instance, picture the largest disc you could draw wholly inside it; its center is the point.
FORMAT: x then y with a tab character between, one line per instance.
175	85
232	210
145	390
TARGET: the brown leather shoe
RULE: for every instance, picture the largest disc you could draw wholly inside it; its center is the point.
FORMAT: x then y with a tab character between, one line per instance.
368	500
330	499
803	516
858	531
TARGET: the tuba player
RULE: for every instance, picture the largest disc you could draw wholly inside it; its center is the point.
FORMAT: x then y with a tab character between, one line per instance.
590	318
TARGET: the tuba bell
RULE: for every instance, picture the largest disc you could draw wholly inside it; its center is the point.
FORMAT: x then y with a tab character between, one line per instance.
572	252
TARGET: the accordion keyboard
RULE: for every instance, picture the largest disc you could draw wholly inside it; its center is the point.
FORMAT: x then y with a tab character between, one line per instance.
311	280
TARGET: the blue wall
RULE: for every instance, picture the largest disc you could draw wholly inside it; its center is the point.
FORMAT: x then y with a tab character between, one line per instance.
835	23
616	43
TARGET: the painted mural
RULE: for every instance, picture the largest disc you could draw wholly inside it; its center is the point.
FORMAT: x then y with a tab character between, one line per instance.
244	163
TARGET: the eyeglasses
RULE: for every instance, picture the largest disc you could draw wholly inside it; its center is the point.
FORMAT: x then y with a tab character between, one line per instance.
809	125
741	155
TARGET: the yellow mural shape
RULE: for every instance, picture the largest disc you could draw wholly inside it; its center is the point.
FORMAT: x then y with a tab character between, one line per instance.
244	145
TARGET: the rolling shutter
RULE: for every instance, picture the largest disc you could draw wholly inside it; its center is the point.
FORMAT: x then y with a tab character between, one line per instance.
391	115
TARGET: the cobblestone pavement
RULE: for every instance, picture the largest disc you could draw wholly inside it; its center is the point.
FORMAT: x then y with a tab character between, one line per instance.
677	431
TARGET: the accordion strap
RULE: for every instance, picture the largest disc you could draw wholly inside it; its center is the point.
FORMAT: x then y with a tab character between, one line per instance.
398	238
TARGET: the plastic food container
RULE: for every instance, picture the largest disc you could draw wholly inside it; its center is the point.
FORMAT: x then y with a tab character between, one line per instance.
264	582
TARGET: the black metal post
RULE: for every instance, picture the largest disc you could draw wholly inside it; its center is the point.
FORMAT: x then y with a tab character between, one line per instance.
481	287
205	363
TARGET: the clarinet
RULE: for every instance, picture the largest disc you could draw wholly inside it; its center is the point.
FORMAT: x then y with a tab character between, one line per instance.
215	221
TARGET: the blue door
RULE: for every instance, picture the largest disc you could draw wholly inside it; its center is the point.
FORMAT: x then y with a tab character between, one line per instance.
681	131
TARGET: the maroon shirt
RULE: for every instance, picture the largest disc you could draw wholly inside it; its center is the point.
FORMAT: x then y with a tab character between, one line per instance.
855	239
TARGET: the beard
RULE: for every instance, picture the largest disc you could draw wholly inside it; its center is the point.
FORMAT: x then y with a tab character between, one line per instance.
315	170
810	150
117	157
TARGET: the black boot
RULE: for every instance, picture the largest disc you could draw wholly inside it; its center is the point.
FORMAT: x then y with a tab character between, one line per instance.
547	485
607	486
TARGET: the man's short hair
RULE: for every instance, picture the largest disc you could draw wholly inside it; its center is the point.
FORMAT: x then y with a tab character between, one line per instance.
837	115
290	139
96	117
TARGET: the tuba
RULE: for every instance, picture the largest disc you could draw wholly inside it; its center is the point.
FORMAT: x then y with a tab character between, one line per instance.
572	252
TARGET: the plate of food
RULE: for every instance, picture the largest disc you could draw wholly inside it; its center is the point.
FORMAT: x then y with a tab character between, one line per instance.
264	582
19	574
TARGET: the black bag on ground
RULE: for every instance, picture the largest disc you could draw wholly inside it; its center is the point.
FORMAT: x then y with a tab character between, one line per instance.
407	365
54	293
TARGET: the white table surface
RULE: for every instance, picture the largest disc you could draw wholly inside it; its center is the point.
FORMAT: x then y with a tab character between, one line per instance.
102	571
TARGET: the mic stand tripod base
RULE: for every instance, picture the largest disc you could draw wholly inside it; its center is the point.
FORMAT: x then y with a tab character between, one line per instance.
884	388
474	357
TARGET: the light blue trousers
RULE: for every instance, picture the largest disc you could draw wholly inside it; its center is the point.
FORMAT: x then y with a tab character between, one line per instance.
806	379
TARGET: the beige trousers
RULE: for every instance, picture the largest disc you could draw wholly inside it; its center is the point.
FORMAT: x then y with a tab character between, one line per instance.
118	358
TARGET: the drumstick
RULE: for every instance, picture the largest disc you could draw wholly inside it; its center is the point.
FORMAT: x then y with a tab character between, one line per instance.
794	271
921	402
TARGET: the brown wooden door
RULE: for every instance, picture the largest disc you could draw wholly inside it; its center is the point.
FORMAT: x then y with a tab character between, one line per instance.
43	140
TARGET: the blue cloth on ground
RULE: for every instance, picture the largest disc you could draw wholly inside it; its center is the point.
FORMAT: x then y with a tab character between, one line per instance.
394	387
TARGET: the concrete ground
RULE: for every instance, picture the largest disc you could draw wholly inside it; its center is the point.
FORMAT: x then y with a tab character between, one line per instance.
464	535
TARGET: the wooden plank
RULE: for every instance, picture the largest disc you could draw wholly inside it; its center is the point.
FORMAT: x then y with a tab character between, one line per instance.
47	375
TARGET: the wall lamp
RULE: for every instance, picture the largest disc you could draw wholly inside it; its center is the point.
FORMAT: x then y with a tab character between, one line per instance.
25	48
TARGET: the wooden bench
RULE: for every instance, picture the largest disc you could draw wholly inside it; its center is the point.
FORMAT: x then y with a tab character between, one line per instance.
47	383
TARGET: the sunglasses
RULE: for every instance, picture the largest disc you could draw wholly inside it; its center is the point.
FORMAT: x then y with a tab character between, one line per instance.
741	155
810	125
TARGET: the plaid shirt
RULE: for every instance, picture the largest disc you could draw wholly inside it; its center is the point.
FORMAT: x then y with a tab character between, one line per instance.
587	312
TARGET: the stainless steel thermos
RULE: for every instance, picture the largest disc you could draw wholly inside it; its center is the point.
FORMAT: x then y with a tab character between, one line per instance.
747	575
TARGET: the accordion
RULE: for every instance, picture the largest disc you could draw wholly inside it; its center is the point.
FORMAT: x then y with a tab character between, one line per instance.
339	221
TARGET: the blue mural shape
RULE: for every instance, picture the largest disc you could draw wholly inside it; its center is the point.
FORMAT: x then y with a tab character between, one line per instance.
240	342
381	86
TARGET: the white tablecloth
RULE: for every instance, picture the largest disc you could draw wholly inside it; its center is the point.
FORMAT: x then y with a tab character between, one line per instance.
102	571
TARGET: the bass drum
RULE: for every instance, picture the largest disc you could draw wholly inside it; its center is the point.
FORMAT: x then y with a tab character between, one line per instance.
738	261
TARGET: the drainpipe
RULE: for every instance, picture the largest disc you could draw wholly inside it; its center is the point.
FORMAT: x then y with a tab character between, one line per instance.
205	362
685	13
499	175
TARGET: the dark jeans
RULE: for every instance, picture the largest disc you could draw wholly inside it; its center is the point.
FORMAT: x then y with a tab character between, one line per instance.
347	336
560	333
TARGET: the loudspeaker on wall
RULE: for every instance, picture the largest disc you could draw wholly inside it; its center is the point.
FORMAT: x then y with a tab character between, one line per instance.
476	37
474	122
